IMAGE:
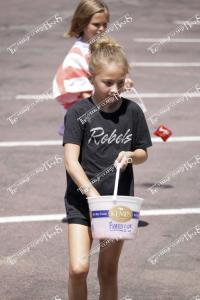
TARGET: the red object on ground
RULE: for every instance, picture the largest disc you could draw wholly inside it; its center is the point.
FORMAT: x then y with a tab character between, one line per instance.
163	132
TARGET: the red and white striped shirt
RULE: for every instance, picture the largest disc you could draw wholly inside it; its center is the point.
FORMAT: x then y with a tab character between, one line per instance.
71	79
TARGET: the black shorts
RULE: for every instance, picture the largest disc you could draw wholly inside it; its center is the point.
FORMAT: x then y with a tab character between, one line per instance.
77	210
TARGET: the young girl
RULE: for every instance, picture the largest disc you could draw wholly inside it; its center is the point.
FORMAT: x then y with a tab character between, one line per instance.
94	139
71	83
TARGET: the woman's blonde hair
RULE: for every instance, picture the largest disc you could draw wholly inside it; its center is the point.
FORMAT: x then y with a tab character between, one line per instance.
105	50
83	14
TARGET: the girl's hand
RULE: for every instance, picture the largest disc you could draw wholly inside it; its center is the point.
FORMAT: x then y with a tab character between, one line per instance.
93	193
123	159
128	84
89	191
85	95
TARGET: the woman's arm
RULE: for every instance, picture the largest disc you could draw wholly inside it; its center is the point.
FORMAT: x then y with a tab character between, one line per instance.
76	171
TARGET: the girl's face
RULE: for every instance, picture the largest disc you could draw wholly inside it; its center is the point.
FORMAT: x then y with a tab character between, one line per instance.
109	81
97	25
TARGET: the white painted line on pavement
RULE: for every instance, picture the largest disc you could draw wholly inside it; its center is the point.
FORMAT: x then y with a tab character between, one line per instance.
154	40
165	212
59	142
165	64
34	97
177	139
31	143
7	97
180	22
33	218
57	217
165	95
143	95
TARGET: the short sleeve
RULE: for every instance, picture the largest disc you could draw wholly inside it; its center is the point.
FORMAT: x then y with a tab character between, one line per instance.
143	138
73	132
71	79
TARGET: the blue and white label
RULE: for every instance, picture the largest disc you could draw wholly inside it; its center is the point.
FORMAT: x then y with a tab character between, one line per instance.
105	214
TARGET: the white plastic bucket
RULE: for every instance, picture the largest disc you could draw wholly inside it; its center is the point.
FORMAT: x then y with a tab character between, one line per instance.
114	218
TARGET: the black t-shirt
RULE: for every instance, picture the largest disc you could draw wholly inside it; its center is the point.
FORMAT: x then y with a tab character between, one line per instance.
101	137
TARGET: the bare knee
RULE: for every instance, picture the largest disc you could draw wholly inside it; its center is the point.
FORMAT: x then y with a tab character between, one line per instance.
107	275
78	272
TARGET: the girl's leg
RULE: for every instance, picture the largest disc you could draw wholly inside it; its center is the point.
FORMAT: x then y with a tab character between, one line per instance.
79	243
107	270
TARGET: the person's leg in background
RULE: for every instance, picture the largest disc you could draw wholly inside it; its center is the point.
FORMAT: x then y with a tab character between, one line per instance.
61	128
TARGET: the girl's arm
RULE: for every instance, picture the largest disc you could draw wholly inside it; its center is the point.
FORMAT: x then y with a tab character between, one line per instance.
76	171
138	157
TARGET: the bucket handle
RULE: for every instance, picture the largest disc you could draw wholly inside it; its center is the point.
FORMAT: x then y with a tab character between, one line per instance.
129	160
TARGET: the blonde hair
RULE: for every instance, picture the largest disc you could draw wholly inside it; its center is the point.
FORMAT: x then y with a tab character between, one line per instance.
104	51
83	14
